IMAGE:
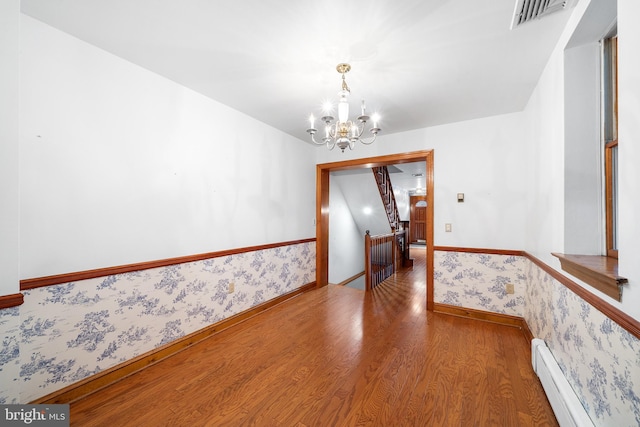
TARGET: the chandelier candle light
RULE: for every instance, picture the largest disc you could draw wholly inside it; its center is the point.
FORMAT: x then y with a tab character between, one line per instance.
344	132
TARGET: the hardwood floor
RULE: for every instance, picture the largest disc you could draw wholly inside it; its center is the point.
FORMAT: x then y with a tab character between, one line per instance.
337	356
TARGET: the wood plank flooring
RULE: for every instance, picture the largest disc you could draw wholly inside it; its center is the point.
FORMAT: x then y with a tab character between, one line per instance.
337	356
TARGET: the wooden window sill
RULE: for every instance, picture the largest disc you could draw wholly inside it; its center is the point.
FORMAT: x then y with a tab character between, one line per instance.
601	272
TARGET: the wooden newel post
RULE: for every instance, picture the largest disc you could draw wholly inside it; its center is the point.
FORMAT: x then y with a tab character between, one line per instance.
394	251
367	260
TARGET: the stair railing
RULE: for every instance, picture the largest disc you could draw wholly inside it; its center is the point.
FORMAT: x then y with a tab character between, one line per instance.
381	174
380	258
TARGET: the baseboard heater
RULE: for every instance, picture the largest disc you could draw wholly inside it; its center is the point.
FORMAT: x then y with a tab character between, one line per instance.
564	402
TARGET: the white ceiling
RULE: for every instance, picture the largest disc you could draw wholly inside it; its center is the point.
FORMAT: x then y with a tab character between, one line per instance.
418	63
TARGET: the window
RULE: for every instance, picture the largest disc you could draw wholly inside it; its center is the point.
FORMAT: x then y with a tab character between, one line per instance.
591	158
610	136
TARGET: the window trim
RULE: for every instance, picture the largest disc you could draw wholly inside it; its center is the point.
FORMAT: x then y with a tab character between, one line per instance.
601	271
612	250
610	137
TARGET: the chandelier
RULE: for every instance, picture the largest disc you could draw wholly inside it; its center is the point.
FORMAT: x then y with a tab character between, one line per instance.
344	132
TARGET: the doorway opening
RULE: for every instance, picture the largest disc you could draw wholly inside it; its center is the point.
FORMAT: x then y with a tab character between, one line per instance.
323	172
418	220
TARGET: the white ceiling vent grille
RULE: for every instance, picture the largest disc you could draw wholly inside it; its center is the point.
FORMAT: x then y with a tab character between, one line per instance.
527	10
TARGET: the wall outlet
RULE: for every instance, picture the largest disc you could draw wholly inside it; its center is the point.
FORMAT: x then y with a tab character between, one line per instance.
510	288
447	228
232	288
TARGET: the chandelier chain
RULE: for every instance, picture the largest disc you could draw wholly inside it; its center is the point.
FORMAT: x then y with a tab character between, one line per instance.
344	84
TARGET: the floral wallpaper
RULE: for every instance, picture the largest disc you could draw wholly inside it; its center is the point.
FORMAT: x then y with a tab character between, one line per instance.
9	354
600	360
479	281
64	333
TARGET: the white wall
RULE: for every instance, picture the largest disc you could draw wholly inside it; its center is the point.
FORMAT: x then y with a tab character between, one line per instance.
482	158
545	166
120	165
363	198
629	151
403	202
546	152
346	241
9	148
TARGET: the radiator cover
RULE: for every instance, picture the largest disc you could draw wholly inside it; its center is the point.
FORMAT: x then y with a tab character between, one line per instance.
565	404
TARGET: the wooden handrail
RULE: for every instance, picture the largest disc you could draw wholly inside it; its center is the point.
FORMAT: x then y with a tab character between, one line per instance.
381	175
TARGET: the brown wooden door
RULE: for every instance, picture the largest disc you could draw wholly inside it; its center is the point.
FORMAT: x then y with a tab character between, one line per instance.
418	219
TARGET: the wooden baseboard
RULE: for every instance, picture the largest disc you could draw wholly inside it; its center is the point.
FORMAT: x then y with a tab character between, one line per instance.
486	316
526	331
109	376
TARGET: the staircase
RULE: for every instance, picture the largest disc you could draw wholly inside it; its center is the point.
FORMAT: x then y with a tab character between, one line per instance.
381	173
398	228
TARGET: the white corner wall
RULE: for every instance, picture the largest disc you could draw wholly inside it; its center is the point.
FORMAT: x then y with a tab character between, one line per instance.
362	196
346	242
629	151
120	165
9	147
545	166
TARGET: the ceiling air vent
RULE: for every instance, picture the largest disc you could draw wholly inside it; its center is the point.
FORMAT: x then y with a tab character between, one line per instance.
527	10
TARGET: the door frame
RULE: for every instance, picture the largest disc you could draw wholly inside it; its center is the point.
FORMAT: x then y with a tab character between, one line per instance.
322	208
